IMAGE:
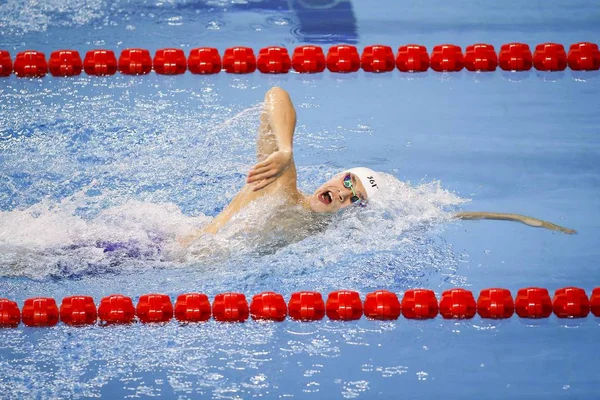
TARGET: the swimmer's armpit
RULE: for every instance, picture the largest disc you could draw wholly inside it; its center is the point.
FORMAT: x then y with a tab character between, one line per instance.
538	223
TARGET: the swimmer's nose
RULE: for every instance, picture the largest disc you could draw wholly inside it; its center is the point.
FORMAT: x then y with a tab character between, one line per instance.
344	194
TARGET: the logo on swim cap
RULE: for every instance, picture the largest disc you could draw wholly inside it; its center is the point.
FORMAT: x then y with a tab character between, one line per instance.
369	179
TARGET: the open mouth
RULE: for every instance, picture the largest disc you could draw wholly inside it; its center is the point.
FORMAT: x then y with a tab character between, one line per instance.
326	197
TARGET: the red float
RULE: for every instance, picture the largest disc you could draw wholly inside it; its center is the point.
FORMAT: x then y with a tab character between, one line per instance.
308	59
65	63
154	308
135	62
230	307
496	303
343	58
481	57
204	60
550	57
571	302
378	58
40	311
533	302
78	310
584	56
446	58
169	62
595	302
10	316
515	57
382	305
30	64
344	305
274	60
457	304
306	306
419	304
239	60
412	58
116	309
6	65
100	62
268	306
192	307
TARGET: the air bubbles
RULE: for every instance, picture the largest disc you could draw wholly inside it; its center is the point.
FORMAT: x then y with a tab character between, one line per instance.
258	27
279	21
214	25
422	375
354	389
175	20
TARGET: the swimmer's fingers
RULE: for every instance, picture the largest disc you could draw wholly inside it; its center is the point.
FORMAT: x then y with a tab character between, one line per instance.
263	183
260	174
265	175
257	171
271	167
263	164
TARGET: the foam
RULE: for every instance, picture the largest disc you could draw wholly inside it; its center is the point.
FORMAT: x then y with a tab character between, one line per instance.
128	181
398	211
52	239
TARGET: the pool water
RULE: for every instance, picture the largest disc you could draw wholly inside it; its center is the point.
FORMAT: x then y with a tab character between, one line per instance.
101	175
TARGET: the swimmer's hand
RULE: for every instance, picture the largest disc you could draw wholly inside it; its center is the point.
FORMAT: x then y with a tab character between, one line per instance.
267	171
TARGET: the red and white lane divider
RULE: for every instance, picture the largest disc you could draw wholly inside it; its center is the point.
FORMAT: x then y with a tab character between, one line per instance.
583	56
344	305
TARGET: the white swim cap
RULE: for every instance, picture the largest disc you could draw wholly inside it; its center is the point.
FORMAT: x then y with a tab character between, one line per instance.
369	179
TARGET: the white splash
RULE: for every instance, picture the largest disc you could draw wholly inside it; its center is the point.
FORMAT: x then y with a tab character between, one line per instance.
58	239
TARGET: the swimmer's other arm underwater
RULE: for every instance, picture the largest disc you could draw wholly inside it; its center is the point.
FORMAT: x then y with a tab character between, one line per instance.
275	173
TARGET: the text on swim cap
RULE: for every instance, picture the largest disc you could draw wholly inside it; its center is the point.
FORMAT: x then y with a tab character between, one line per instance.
372	182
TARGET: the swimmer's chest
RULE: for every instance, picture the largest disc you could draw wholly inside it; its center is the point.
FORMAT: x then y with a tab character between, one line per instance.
245	197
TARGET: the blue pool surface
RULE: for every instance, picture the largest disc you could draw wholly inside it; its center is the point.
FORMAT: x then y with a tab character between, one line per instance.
90	162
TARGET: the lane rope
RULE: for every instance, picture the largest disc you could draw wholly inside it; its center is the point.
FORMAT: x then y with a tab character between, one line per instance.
343	58
341	305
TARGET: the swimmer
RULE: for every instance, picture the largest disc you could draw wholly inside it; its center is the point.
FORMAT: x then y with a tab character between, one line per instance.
275	174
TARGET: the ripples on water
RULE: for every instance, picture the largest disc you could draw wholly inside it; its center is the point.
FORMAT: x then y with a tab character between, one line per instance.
106	182
101	176
99	185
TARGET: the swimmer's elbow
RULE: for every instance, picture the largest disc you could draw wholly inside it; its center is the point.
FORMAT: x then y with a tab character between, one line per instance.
277	95
277	91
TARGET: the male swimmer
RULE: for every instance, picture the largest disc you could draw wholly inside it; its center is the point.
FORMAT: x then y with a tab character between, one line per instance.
275	174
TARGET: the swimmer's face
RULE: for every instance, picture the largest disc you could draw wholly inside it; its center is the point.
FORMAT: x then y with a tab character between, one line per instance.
334	195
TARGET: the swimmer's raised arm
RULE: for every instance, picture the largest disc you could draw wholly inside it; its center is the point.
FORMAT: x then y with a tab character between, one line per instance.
275	139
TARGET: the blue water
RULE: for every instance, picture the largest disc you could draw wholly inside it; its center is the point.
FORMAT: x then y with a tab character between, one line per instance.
141	160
